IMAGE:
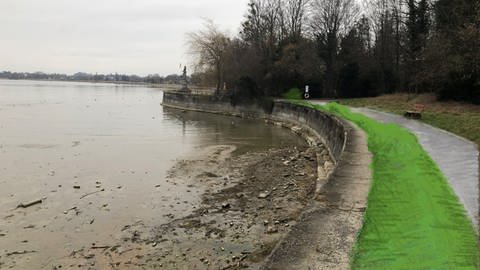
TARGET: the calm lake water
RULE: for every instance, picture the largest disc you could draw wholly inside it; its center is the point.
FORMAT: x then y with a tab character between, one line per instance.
57	135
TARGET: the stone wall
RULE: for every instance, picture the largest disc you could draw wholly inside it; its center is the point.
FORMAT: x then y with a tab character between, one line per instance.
331	223
329	128
317	126
211	104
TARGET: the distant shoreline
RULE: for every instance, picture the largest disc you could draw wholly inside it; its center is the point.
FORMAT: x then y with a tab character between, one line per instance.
94	82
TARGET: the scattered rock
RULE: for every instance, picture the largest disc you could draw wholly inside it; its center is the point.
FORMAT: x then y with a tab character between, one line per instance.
211	175
272	229
172	216
263	195
73	208
328	165
89	256
226	205
264	176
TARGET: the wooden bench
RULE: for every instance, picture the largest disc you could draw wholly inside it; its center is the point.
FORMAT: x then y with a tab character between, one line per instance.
416	112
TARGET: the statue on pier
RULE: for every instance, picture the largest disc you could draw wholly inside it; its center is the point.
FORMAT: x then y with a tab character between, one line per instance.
185	81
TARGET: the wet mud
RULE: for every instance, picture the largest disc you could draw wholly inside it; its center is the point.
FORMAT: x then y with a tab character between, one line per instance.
248	204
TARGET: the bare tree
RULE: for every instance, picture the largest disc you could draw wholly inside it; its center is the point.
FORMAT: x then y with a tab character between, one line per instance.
262	27
329	22
295	12
209	48
382	13
397	10
333	16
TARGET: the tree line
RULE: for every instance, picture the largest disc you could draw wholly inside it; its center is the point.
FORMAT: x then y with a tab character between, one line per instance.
345	48
88	77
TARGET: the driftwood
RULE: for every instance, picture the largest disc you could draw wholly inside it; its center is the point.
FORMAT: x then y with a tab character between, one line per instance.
20	252
91	193
32	203
100	247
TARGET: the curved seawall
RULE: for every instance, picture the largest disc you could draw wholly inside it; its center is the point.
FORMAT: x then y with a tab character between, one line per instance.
325	233
328	129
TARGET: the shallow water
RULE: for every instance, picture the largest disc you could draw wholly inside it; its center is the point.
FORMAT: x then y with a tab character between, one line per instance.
57	135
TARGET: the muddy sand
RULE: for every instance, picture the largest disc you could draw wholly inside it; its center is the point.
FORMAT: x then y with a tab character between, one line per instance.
248	203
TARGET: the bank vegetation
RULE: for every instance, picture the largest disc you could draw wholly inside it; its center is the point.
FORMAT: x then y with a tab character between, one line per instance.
345	48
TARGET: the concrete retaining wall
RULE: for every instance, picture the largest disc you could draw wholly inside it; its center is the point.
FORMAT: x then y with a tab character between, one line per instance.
331	130
327	128
211	104
324	235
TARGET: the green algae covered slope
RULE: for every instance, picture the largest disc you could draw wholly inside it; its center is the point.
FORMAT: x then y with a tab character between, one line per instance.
413	220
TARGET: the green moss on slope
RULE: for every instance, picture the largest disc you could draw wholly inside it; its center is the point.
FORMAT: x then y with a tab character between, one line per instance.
293	94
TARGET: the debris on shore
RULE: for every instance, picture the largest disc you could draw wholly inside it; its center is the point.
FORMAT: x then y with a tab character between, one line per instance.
29	204
247	203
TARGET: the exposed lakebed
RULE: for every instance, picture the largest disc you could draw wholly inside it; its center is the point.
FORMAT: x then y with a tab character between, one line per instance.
125	183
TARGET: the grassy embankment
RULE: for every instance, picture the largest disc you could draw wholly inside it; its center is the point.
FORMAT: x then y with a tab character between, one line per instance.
293	94
413	219
459	118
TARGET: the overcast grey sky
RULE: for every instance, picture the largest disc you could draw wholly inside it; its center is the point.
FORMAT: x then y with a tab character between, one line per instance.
106	36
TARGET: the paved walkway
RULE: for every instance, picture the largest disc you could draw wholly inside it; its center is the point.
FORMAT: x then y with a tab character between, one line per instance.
326	232
456	157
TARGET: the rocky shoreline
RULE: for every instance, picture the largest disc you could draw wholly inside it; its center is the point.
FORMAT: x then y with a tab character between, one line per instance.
249	203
